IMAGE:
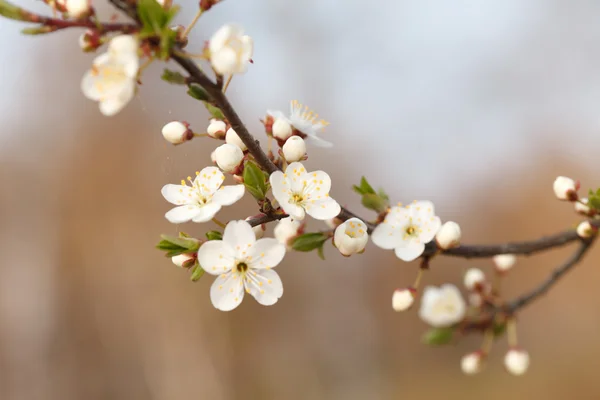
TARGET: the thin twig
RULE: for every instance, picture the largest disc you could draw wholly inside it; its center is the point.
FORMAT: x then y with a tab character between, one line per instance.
265	219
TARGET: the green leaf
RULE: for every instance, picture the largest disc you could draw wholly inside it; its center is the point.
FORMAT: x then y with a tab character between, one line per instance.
594	199
38	30
167	41
173	77
364	187
438	336
154	17
214	235
254	180
197	272
197	92
499	328
321	252
177	245
309	241
374	202
215	112
11	11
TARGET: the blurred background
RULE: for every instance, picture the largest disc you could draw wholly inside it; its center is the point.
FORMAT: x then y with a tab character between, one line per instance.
477	106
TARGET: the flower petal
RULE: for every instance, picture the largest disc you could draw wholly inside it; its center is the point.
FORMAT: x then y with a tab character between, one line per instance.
224	61
209	180
177	194
430	229
207	212
228	195
292	210
265	285
216	257
316	141
266	253
324	209
182	214
226	292
239	236
410	252
386	237
279	186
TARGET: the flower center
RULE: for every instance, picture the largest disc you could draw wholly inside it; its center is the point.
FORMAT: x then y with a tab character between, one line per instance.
297	198
242	267
410	230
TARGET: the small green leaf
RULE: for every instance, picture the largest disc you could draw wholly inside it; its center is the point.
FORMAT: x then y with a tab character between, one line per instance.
374	202
197	92
364	187
214	235
167	41
499	328
154	17
215	112
438	336
254	181
321	252
11	11
177	245
197	272
38	30
173	77
309	241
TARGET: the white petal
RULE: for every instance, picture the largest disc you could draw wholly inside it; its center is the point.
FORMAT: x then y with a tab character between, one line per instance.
277	115
177	194
239	235
207	212
430	229
265	286
318	142
89	86
280	187
386	237
123	44
111	106
181	214
410	252
224	61
319	183
292	210
226	292
222	35
209	180
216	257
247	48
324	209
228	195
266	253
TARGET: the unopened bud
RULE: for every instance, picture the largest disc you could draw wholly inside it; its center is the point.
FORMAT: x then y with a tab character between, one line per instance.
333	222
232	137
474	279
403	299
448	236
259	230
504	262
351	237
89	40
78	8
586	230
581	207
294	149
176	132
472	363
228	157
281	129
286	230
213	156
516	361
565	188
183	260
216	129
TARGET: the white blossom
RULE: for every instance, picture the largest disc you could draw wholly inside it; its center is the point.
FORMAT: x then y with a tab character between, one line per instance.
281	129
586	230
230	50
232	137
294	149
112	79
201	201
77	8
448	236
474	278
403	299
243	264
305	121
351	237
516	361
442	306
182	260
407	229
299	192
216	129
504	262
286	230
228	157
472	363
565	188
176	132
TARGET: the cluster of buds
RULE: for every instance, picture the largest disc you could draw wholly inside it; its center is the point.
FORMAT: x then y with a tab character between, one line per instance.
566	189
516	361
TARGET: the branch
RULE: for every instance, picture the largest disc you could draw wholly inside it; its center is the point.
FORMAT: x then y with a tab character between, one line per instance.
263	219
84	23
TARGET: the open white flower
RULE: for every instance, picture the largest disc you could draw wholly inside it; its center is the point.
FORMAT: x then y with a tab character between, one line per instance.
201	201
407	229
112	79
305	121
351	237
442	306
230	50
243	265
299	192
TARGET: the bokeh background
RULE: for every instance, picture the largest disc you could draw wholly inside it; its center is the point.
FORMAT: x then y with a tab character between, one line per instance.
477	106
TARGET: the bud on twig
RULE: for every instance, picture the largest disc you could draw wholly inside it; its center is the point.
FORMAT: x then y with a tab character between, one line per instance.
184	260
216	129
228	157
473	363
232	137
474	279
585	230
294	149
176	132
516	361
504	262
565	188
281	129
403	299
448	236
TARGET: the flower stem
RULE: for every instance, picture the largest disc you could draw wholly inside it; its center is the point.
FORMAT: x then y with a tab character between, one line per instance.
201	134
227	83
511	332
216	221
418	278
192	24
488	340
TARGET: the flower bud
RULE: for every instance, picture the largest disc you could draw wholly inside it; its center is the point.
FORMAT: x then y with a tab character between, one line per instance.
176	132
403	299
351	237
183	260
294	149
472	363
448	236
89	40
232	138
78	8
333	222
516	361
475	299
504	262
566	188
228	157
213	156
582	208
281	129
216	129
474	278
259	230
586	230
286	230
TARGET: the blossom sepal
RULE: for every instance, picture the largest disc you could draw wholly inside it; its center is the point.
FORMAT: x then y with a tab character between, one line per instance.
214	235
174	77
175	246
197	272
438	336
